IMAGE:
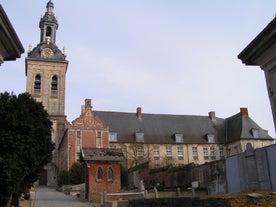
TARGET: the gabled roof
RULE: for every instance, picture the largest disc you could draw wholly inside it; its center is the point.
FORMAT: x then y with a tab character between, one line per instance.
240	127
101	154
161	128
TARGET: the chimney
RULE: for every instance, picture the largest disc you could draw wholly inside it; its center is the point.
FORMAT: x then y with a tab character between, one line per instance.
82	109
212	115
244	112
86	106
139	112
87	103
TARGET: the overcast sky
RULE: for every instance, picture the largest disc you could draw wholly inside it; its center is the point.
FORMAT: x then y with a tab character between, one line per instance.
166	56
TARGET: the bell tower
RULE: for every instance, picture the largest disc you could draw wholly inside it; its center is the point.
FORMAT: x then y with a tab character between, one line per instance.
46	67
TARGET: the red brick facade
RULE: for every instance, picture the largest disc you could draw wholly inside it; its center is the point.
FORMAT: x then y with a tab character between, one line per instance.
106	184
88	131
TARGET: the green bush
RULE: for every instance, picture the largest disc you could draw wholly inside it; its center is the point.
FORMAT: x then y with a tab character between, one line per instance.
63	178
77	174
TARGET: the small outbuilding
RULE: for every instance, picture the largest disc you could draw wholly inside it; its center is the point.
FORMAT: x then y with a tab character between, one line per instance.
103	170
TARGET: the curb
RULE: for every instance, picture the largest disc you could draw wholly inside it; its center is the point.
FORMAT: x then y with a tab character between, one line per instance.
34	197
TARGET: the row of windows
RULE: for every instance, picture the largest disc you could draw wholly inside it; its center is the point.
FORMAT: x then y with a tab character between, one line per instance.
100	174
208	153
37	83
178	138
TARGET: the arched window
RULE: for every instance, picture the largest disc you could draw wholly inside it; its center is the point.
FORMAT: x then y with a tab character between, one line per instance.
54	86
99	175
110	174
37	83
48	31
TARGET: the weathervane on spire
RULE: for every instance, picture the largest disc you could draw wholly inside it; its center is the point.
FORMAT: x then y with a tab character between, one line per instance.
50	7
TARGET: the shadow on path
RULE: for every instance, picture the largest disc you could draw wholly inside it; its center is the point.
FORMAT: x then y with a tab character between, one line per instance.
49	197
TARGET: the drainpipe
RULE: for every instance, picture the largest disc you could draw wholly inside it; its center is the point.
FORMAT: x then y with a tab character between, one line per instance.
68	152
188	153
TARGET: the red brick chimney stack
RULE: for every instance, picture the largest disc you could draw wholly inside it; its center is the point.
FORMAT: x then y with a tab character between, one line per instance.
87	103
139	112
244	112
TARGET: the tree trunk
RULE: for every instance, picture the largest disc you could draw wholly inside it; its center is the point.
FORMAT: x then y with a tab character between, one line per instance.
15	200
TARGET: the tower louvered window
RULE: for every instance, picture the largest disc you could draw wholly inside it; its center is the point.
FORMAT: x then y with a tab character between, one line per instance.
54	85
37	84
48	31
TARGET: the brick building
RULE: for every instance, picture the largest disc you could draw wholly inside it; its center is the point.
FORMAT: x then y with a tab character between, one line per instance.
162	139
87	140
100	137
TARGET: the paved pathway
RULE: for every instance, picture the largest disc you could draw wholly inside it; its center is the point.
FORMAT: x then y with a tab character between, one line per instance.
49	197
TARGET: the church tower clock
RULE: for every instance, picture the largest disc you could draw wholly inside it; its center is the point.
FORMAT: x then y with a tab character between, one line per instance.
46	68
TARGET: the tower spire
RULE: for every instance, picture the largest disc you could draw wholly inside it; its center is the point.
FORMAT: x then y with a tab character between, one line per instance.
47	48
48	24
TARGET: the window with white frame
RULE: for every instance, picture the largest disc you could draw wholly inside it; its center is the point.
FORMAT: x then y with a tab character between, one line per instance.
221	152
206	153
112	136
99	138
195	153
78	137
169	151
180	153
212	153
140	151
155	151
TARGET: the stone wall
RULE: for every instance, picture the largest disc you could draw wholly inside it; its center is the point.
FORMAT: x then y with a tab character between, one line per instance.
252	170
211	176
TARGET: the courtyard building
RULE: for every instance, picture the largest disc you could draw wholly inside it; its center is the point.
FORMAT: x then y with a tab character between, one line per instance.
162	139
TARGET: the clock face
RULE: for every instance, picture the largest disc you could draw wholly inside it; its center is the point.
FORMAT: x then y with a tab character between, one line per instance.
47	52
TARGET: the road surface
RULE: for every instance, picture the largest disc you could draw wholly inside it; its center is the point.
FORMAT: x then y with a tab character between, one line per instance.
49	197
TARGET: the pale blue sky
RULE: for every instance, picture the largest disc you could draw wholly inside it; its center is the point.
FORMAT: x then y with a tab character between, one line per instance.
167	56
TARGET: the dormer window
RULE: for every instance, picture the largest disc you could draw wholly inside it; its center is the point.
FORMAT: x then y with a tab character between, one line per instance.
139	137
112	136
255	133
178	138
210	138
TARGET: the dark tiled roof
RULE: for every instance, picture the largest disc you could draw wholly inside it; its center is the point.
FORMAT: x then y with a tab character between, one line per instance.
240	127
101	154
160	128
